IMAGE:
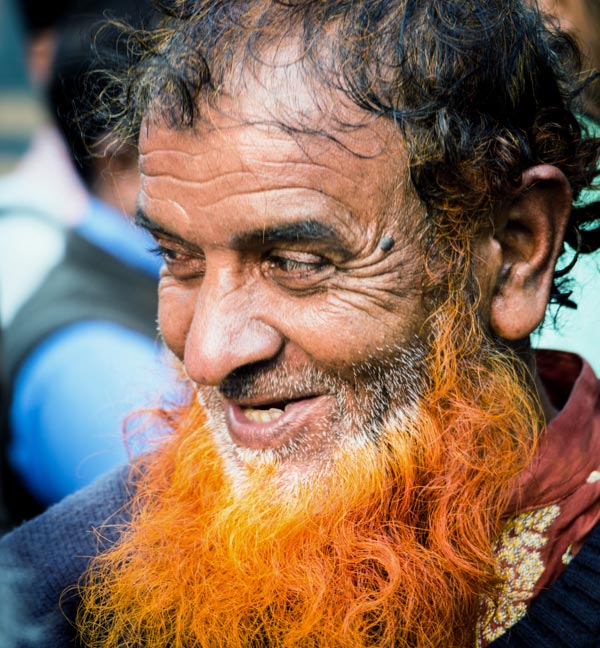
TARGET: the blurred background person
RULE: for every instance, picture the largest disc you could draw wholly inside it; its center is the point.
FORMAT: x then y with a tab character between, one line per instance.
30	241
19	110
567	328
581	19
80	345
40	190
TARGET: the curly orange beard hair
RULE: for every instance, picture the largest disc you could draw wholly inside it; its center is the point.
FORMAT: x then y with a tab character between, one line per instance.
392	546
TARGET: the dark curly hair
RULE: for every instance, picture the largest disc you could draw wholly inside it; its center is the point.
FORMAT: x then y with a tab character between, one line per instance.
480	89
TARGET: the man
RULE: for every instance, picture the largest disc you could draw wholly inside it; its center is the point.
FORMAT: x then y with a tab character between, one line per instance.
360	207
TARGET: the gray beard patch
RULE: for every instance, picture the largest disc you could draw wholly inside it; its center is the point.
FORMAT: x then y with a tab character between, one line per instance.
366	395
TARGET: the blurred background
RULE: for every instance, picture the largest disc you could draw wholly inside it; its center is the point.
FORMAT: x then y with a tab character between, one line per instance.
80	348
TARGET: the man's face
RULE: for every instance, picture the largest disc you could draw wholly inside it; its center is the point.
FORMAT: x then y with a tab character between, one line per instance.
292	284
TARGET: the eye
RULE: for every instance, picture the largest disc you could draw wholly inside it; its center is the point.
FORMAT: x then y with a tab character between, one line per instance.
180	263
298	269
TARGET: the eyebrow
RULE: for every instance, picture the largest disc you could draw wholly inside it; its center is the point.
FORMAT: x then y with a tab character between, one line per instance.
297	231
141	219
303	230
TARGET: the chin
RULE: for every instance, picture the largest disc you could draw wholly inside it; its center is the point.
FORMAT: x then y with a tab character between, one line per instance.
289	466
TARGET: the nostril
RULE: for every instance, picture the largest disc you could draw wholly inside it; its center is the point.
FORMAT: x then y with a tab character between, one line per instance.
225	341
241	383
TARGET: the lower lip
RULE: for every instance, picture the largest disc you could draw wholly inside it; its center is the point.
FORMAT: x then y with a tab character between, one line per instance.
295	419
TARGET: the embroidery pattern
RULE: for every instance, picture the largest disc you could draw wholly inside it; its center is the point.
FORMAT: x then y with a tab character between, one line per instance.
520	566
568	555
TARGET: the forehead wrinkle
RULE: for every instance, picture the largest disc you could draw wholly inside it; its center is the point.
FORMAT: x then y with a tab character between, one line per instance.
193	143
292	180
307	154
296	147
194	179
171	203
362	187
315	179
346	225
313	166
210	187
202	159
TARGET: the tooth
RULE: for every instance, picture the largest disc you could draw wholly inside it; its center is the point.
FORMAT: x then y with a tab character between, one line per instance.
262	416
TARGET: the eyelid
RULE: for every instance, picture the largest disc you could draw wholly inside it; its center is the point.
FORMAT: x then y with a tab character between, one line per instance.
299	256
164	252
299	271
183	264
165	243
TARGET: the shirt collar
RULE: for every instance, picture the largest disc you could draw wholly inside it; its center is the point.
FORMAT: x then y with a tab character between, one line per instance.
569	447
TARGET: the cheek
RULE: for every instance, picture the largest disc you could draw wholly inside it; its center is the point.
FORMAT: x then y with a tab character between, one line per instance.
338	336
175	314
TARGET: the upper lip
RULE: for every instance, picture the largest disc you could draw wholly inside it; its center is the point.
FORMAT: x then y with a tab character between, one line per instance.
273	401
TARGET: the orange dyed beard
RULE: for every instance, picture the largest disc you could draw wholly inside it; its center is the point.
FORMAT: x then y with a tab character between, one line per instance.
391	546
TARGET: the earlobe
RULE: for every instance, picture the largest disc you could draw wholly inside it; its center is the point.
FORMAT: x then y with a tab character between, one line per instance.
530	230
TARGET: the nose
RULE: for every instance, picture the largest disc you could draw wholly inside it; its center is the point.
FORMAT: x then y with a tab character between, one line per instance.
227	330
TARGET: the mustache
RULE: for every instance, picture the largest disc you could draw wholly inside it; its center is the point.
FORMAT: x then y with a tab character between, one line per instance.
274	378
399	369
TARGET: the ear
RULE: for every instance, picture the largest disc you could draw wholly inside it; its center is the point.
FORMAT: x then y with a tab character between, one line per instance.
530	231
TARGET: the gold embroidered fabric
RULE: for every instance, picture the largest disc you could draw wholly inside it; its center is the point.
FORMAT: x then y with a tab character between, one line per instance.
520	565
561	490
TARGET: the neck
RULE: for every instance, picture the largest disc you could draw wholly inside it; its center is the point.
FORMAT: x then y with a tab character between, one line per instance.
527	353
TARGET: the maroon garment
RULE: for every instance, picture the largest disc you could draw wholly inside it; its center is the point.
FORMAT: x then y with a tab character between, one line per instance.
566	470
556	498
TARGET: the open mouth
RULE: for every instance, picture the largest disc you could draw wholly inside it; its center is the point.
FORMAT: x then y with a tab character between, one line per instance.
267	413
273	423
